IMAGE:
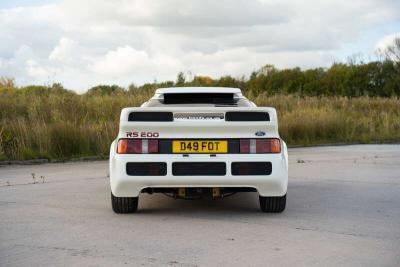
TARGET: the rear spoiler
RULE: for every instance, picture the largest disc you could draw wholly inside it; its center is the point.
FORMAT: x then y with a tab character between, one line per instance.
165	114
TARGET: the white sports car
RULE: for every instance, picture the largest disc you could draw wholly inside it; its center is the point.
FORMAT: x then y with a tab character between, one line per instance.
193	142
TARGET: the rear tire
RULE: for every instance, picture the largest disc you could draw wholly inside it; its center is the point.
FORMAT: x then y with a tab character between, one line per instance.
124	204
272	204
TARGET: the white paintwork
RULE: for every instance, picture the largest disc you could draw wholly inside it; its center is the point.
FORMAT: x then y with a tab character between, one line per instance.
198	90
274	184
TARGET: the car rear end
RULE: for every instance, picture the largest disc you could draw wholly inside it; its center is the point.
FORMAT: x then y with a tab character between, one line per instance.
186	151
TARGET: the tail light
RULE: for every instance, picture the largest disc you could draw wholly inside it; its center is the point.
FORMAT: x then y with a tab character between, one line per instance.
153	146
252	146
244	145
137	146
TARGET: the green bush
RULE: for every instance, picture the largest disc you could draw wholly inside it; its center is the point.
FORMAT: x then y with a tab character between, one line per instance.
343	104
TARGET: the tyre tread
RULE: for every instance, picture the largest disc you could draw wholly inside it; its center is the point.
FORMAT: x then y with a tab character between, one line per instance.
124	204
272	204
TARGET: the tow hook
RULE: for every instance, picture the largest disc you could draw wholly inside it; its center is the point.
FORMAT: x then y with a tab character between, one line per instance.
216	192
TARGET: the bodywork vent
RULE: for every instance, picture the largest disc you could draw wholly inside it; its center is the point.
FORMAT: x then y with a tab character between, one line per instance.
198	116
199	168
251	168
246	116
150	116
146	168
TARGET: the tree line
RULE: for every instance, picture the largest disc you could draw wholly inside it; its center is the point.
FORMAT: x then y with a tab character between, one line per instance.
377	78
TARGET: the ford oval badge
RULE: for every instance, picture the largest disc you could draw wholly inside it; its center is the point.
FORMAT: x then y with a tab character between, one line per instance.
260	133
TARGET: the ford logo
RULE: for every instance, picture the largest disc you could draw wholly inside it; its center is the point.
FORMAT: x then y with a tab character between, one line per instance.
260	133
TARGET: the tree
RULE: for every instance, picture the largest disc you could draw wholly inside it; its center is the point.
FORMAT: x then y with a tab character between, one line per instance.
202	81
105	90
7	85
7	82
180	79
392	51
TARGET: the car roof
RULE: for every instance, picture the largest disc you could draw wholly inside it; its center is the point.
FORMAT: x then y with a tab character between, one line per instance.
175	90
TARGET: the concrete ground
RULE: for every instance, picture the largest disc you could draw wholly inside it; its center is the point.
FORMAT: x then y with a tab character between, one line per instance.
343	209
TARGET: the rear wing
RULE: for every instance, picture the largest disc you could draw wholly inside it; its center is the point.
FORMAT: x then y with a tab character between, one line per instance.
174	114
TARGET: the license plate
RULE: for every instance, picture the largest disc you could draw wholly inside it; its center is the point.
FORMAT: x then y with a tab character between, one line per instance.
197	146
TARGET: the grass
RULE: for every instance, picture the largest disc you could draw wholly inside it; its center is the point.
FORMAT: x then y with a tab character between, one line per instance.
64	125
321	120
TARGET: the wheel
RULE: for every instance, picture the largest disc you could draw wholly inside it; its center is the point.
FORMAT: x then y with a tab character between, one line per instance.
124	204
272	204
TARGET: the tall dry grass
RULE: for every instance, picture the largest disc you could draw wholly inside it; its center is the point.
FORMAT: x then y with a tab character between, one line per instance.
64	125
319	120
59	125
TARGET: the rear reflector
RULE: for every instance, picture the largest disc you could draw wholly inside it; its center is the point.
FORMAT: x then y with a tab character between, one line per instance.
146	168
246	116
244	145
153	145
263	145
150	116
135	146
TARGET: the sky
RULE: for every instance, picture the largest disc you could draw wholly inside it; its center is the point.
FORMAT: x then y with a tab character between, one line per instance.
85	43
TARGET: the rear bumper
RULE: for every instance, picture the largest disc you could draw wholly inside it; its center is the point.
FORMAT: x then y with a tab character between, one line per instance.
124	185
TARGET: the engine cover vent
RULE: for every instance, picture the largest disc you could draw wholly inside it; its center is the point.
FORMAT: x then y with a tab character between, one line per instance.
200	116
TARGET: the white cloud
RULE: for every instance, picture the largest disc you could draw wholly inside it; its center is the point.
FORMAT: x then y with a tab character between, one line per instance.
127	64
121	61
36	71
83	43
64	50
387	41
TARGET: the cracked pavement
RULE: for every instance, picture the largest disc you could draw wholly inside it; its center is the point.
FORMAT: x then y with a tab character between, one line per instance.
343	209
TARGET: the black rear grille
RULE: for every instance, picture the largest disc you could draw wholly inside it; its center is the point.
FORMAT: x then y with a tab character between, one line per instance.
199	168
146	168
246	116
251	168
151	116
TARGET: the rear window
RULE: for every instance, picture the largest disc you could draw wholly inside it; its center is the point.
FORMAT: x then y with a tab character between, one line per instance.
199	99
